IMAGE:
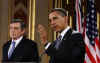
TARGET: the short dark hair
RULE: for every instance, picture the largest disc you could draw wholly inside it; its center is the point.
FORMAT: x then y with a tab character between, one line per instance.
60	11
23	25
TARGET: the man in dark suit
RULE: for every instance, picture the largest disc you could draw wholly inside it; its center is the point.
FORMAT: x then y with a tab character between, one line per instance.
19	48
69	47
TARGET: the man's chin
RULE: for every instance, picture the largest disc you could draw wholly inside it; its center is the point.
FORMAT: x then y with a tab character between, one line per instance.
56	30
14	38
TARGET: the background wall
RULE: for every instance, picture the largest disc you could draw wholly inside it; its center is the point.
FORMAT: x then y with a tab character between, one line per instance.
41	18
3	23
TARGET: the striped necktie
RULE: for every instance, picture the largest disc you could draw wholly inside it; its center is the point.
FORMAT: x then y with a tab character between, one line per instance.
11	49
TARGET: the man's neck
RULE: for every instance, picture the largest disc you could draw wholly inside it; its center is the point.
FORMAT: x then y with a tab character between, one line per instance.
17	38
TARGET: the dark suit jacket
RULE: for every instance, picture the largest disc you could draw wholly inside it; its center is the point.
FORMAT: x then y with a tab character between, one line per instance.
26	51
71	49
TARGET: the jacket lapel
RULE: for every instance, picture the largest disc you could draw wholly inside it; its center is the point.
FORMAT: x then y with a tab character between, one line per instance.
68	34
65	38
16	50
6	49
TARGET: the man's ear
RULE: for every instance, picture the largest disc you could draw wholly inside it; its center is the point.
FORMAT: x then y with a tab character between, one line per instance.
66	18
23	31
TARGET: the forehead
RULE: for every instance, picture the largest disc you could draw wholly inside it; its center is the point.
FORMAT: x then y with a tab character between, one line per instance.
53	14
15	24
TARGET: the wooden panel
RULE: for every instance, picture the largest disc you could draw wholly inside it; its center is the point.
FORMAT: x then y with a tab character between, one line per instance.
98	5
21	9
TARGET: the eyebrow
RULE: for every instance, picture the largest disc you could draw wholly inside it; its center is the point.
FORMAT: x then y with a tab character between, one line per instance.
55	17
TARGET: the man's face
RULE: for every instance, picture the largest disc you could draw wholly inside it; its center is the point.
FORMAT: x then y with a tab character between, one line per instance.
57	22
15	30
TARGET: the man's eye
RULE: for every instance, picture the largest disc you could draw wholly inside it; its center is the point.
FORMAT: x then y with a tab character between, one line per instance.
54	18
50	20
16	28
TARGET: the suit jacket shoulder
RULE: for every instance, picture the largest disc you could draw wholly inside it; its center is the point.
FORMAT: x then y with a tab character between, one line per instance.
28	41
25	51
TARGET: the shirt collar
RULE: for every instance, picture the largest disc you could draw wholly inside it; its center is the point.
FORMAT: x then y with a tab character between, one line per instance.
64	31
17	41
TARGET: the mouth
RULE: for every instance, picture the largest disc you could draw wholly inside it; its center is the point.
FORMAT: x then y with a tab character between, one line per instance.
13	35
54	28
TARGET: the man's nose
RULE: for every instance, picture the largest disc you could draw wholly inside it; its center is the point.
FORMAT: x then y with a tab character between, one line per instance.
12	29
52	22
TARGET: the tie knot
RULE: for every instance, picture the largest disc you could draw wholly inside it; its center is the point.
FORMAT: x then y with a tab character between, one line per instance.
13	43
59	38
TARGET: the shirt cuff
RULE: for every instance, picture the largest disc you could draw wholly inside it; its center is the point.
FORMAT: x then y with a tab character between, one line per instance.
47	45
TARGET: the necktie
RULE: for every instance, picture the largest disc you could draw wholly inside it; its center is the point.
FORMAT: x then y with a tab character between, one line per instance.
58	41
11	50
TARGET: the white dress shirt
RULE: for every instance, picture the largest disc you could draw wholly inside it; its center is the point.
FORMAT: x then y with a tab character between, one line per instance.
16	43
